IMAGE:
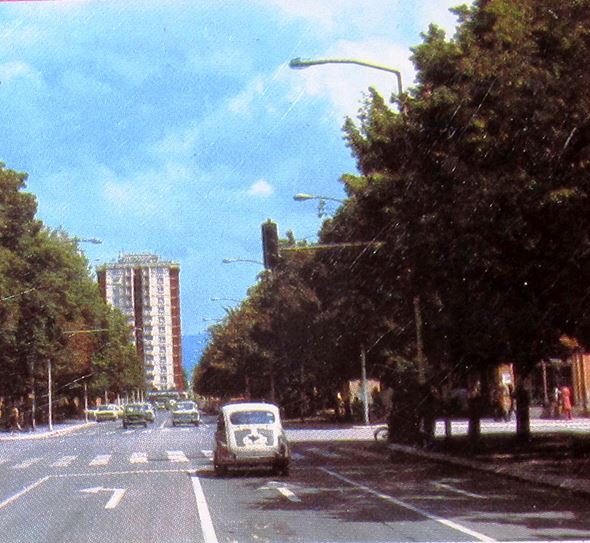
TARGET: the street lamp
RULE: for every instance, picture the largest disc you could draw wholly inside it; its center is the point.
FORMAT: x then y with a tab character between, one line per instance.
302	197
95	241
233	260
301	63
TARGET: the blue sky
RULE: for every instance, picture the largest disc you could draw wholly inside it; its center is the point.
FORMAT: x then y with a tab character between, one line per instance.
176	127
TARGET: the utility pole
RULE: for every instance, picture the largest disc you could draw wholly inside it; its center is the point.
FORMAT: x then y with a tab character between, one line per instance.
364	386
85	401
420	358
49	395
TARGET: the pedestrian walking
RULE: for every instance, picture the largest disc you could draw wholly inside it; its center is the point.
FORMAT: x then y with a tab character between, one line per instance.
566	402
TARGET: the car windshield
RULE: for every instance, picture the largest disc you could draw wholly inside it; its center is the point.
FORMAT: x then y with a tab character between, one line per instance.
134	407
105	408
184	406
252	417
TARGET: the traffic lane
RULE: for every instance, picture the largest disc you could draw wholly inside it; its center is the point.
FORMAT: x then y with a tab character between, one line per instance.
23	463
313	505
501	507
136	506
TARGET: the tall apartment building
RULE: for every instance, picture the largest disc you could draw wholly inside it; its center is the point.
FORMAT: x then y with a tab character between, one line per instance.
147	290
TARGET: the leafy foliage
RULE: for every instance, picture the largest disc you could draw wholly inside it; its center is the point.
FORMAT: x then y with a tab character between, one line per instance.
50	309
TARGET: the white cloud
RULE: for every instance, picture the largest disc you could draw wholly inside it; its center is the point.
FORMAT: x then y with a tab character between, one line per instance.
243	102
261	189
17	70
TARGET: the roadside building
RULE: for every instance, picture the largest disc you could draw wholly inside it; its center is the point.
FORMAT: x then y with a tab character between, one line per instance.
147	290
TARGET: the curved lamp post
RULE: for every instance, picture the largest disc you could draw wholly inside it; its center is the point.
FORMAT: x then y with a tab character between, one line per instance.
302	197
233	260
95	241
301	63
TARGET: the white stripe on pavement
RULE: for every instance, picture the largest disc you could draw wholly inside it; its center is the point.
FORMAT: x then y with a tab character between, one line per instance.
176	456
208	454
27	463
207	528
138	458
16	496
446	522
63	462
100	460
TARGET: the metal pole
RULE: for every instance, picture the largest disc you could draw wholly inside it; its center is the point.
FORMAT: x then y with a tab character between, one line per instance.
50	395
419	341
85	402
364	384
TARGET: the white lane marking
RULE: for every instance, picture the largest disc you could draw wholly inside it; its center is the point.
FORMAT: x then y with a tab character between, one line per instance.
16	496
207	528
27	463
63	462
458	491
138	458
3	461
114	500
297	456
446	522
100	460
323	452
176	456
288	494
162	425
208	454
281	489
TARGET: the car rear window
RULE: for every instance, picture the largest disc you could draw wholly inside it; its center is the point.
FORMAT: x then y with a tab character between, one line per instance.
185	405
252	417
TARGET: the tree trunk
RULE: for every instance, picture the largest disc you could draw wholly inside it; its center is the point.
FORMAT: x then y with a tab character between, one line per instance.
523	421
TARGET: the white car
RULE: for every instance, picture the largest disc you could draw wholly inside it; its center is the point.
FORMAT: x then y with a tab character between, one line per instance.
249	435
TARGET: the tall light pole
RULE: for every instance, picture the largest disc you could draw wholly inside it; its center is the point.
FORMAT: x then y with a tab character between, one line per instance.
301	63
302	197
233	260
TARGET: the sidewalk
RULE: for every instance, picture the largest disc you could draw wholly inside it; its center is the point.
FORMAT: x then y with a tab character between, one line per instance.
43	432
558	454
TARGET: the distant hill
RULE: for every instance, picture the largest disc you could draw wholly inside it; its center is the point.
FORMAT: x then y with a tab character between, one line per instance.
192	348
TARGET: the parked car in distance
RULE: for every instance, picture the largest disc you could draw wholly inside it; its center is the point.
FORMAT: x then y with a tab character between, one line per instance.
250	434
107	412
134	413
149	412
185	412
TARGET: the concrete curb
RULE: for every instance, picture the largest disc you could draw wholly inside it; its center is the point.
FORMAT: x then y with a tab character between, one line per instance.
44	435
553	481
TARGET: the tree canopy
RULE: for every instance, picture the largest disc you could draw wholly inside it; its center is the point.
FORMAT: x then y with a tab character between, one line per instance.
50	309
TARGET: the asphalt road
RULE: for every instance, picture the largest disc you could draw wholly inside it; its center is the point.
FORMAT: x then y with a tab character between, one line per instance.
157	485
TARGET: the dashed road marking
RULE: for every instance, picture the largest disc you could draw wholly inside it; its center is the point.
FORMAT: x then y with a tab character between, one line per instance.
63	462
27	463
100	460
138	458
176	456
208	454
